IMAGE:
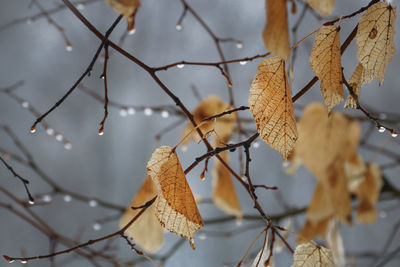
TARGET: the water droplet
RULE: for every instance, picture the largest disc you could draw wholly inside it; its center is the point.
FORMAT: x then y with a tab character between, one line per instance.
33	129
243	62
381	129
285	164
67	198
80	6
230	84
256	144
132	32
102	76
46	198
96	226
25	104
123	112
394	134
24	261
50	131
239	45
244	178
101	131
93	203
131	111
180	66
31	202
202	177
67	146
68	47
184	148
202	236
382	214
164	114
59	137
148	111
178	27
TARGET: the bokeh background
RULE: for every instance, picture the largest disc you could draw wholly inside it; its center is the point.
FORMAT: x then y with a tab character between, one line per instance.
112	167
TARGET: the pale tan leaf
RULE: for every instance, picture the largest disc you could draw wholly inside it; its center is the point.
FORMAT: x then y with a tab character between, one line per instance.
176	208
276	33
325	7
355	169
311	230
311	255
368	193
375	40
262	257
335	244
127	8
325	60
321	206
224	194
146	231
222	127
271	104
356	81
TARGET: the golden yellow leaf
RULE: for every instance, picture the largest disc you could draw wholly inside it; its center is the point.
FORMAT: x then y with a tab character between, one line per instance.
311	255
368	193
127	8
222	126
375	40
271	104
356	81
146	231
224	194
175	206
325	7
276	33
325	60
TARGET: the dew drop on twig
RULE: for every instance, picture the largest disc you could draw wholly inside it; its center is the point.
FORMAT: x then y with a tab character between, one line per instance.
148	111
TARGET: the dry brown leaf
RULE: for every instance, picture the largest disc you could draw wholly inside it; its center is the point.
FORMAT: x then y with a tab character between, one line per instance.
354	168
368	193
356	81
176	208
325	60
271	104
224	194
311	230
276	33
146	231
375	40
311	255
222	126
127	8
325	7
334	242
320	206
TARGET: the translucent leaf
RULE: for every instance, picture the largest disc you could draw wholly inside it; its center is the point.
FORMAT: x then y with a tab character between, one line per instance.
311	255
176	208
276	33
224	194
271	105
335	244
127	8
325	60
146	231
375	40
262	257
325	7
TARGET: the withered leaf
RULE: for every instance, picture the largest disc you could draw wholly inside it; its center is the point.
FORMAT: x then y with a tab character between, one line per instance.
224	194
127	8
325	7
175	206
261	259
334	242
311	255
356	81
325	60
276	33
311	230
375	40
146	231
368	193
271	104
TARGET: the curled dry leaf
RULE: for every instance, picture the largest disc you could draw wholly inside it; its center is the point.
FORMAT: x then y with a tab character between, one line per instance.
224	194
175	206
271	104
276	33
127	8
356	81
375	40
325	60
368	193
222	126
146	231
311	255
325	7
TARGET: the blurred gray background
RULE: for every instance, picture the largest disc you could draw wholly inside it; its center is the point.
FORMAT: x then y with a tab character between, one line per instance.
112	167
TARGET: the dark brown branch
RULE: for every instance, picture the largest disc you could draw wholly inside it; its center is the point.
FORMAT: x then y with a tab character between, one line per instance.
104	77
